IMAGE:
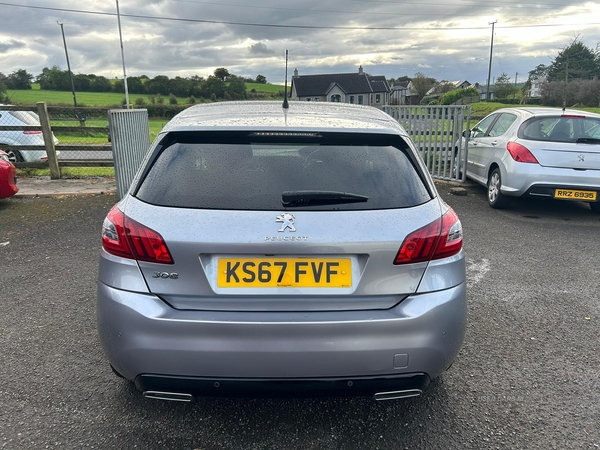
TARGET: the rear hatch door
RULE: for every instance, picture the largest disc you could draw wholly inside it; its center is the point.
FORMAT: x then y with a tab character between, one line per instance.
240	260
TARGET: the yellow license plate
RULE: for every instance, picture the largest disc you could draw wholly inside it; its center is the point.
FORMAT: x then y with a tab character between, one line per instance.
284	272
572	194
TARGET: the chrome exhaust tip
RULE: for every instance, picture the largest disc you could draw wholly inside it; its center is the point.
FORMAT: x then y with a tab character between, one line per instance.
397	394
169	396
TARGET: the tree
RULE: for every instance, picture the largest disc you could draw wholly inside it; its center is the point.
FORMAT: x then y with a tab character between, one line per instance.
213	86
2	92
421	83
54	79
575	61
261	79
504	88
560	93
19	79
444	86
82	82
539	73
237	88
451	97
160	84
222	74
99	84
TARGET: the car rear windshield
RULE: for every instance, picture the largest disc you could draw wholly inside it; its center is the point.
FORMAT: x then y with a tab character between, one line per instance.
317	174
27	117
565	128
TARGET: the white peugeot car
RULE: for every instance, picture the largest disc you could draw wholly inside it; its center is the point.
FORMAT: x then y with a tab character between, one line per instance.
22	138
538	152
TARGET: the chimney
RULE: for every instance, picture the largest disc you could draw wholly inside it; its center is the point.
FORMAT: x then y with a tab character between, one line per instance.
295	72
360	69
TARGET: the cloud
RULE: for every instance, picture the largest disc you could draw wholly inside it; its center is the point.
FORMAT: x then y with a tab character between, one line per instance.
445	41
10	45
260	49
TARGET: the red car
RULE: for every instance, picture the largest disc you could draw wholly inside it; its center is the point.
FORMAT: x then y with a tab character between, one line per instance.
8	177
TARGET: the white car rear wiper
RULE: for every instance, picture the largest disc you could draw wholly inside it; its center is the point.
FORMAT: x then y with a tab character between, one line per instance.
308	197
587	140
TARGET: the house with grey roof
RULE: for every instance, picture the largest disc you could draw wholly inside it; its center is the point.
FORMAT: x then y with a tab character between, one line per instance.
403	94
459	84
357	88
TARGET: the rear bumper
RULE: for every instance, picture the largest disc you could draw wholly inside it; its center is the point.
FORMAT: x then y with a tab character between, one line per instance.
149	342
8	180
543	190
525	178
302	387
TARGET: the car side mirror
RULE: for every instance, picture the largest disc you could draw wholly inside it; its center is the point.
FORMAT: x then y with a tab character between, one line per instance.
466	133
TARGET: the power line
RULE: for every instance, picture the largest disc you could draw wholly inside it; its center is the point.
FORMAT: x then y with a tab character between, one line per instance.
320	11
305	27
474	3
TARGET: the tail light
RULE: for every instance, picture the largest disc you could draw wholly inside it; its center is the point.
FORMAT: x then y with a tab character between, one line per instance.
123	236
32	132
520	153
440	239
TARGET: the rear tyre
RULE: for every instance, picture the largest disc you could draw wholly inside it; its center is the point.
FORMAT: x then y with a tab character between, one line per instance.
457	172
595	207
14	156
496	198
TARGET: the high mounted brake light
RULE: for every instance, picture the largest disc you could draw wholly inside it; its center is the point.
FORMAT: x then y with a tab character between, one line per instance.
440	239
124	237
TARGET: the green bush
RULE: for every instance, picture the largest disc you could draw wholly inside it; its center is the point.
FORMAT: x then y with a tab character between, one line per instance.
192	100
172	99
164	111
139	102
453	96
508	101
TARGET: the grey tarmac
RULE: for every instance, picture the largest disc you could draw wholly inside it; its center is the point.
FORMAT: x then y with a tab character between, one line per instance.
528	375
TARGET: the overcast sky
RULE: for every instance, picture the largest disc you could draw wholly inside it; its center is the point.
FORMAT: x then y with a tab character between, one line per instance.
446	40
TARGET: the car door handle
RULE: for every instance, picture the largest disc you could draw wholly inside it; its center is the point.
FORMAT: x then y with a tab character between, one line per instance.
474	143
495	143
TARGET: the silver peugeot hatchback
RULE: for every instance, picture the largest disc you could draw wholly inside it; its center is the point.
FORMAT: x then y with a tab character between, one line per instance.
263	251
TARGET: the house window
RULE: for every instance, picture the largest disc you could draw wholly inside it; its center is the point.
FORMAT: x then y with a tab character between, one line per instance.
377	98
352	99
360	100
317	99
308	99
336	98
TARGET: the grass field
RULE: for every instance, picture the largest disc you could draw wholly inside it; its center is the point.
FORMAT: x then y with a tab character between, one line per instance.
102	99
69	172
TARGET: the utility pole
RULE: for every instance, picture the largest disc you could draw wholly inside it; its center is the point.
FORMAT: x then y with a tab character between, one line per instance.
487	95
122	57
68	64
515	93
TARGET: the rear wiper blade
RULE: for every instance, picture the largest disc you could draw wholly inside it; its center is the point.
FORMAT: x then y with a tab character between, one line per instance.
587	140
308	197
